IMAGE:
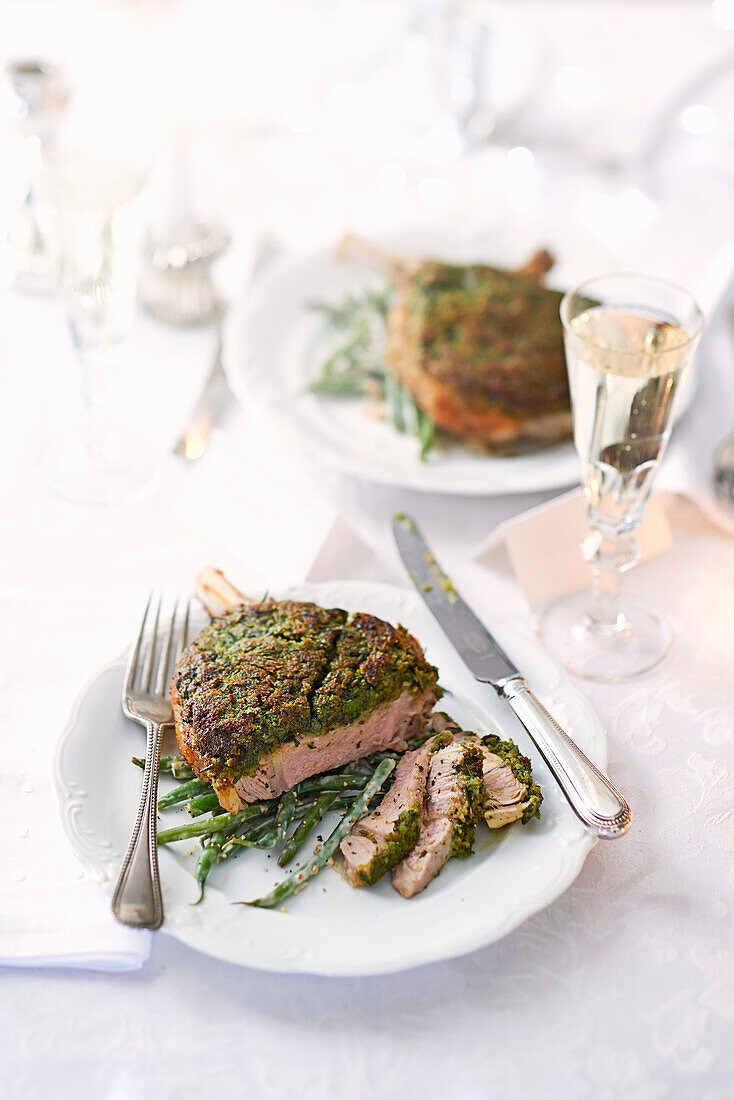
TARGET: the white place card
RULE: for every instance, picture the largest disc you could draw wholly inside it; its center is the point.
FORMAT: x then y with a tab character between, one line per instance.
544	546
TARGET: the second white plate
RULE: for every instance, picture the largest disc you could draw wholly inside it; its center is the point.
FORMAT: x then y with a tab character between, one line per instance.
268	353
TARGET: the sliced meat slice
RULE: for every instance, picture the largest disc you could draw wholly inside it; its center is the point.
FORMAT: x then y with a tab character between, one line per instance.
510	793
452	807
384	837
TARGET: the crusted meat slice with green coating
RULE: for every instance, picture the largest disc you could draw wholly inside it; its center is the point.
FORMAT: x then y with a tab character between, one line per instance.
385	836
510	792
273	692
452	808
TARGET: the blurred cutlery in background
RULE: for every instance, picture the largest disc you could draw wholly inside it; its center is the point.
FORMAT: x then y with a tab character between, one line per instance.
216	393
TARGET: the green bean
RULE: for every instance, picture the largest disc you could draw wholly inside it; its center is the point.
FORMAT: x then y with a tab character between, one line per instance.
345	350
375	758
217	848
265	837
254	837
206	862
310	815
320	783
211	852
426	434
214	824
420	425
184	792
339	385
276	830
170	765
416	742
181	769
311	819
395	396
202	804
356	360
285	813
296	881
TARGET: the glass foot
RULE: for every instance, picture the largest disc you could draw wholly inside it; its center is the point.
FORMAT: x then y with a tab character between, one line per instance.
116	470
638	643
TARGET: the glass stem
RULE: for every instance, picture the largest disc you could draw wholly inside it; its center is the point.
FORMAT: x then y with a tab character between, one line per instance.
614	552
98	384
93	441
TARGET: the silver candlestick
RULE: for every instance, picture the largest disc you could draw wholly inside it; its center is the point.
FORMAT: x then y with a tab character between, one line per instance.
175	284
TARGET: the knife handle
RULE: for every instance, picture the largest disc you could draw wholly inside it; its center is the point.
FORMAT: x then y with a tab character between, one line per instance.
592	797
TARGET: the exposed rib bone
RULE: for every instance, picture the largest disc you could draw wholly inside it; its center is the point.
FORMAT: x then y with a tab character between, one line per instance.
369	254
537	266
400	268
216	593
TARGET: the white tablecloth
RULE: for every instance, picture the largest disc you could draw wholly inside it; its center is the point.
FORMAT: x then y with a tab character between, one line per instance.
623	987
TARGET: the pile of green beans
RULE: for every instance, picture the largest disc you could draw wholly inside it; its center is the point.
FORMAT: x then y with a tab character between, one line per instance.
356	331
265	825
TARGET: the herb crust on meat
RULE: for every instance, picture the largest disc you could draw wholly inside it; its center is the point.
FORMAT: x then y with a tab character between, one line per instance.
268	674
481	350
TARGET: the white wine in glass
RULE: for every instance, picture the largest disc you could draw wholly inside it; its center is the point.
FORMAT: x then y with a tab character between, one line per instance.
629	340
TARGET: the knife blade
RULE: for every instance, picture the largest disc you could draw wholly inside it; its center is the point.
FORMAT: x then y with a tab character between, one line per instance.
595	801
209	408
216	394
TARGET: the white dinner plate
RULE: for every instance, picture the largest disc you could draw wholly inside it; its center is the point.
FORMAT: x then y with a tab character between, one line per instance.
331	928
270	351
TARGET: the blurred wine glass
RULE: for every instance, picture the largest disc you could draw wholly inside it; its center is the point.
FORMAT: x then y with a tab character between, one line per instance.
35	95
91	214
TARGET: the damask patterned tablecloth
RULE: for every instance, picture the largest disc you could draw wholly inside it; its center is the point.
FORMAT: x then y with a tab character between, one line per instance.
623	987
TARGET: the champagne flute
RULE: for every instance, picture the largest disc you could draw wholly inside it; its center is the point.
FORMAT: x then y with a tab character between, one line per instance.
90	211
629	340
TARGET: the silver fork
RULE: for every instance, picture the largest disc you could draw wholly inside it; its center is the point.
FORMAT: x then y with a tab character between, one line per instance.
724	469
137	898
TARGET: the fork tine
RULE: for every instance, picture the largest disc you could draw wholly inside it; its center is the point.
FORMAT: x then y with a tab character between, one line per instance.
161	680
148	666
132	661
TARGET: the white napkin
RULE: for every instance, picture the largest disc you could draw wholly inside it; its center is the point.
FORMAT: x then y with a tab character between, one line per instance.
688	465
52	913
545	545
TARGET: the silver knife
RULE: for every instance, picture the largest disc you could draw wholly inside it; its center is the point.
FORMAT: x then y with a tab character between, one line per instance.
216	394
210	406
592	797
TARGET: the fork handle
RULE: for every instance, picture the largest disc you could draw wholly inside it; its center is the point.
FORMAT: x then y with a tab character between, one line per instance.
137	898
